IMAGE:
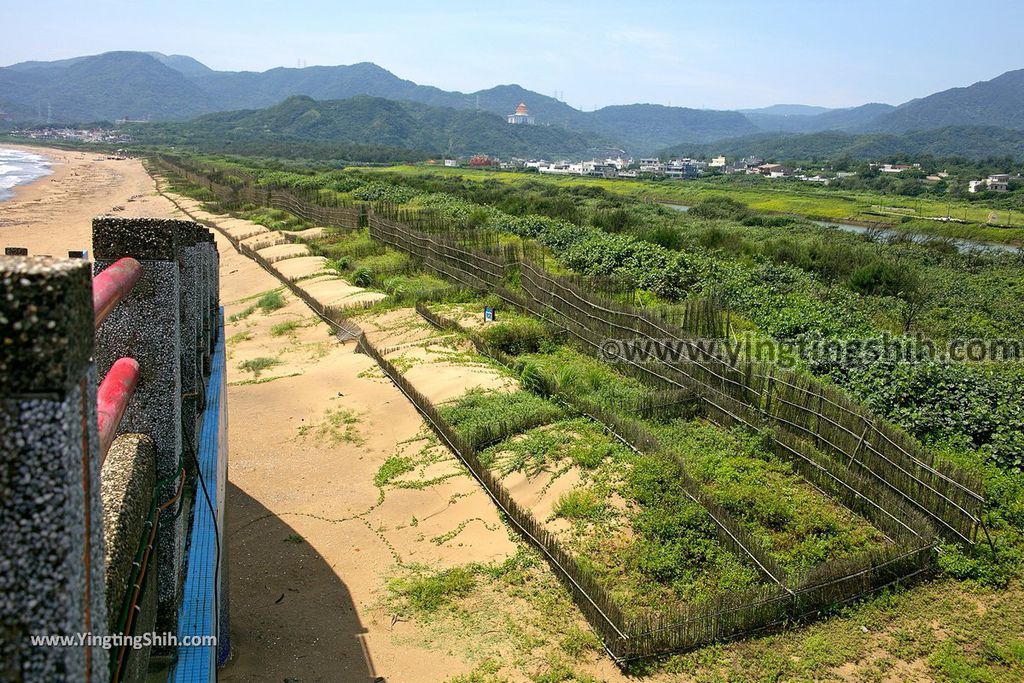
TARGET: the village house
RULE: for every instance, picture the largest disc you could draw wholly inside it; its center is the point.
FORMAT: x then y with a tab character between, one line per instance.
651	166
997	182
772	170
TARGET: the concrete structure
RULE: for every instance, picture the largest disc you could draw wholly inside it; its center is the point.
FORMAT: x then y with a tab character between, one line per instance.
521	116
651	166
52	564
999	182
147	327
91	552
129	479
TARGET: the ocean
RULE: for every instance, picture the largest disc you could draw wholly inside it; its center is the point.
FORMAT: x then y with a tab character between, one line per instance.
18	167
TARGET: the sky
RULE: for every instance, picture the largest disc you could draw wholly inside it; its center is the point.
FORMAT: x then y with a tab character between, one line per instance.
724	54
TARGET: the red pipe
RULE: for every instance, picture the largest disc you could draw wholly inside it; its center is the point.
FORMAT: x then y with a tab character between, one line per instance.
112	285
112	398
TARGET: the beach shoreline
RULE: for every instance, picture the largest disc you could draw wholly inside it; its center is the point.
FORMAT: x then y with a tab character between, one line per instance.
53	213
27	191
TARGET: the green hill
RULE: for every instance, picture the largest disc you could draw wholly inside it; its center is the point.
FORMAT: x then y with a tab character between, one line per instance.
998	102
972	142
110	86
374	121
176	87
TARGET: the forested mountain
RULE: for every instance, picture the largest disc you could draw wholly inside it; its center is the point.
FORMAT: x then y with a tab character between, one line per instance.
161	87
158	87
375	121
851	119
110	86
972	142
998	102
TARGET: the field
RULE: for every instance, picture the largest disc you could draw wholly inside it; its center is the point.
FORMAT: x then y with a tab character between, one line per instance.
622	514
788	197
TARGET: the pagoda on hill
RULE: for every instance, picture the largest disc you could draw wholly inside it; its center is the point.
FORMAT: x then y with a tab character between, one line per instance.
522	116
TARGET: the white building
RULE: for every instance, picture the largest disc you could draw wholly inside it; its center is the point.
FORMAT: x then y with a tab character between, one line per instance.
521	116
651	166
997	182
717	162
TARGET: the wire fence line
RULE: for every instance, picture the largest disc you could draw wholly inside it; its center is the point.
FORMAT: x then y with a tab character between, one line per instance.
800	405
869	465
789	598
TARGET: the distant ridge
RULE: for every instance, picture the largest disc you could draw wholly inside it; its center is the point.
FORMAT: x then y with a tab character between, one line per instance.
158	87
378	122
176	87
972	142
998	102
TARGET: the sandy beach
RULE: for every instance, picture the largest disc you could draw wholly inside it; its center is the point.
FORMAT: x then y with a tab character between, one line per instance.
54	213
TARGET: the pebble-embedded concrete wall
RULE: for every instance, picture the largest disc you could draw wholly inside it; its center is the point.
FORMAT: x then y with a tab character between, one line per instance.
52	566
129	478
146	326
75	536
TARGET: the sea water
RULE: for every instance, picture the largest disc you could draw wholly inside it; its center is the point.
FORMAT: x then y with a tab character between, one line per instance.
18	167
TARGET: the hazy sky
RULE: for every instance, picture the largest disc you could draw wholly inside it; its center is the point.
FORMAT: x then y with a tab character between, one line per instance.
709	54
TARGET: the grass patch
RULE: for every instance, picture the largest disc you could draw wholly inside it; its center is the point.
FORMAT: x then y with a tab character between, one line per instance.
239	337
578	439
483	417
579	504
281	329
427	592
258	365
584	377
338	426
271	301
800	526
242	315
262	380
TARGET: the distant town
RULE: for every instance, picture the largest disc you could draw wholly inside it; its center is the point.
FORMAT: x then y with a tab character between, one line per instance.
687	168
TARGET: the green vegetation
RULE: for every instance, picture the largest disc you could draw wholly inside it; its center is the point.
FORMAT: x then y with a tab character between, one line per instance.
366	127
271	301
483	418
275	219
337	426
258	365
392	468
945	142
281	329
578	440
799	526
427	592
579	504
634	529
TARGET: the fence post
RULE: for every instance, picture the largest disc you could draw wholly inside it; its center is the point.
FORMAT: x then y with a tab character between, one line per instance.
51	516
146	326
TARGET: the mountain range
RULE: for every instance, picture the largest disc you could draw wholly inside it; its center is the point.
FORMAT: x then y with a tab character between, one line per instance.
393	124
162	88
